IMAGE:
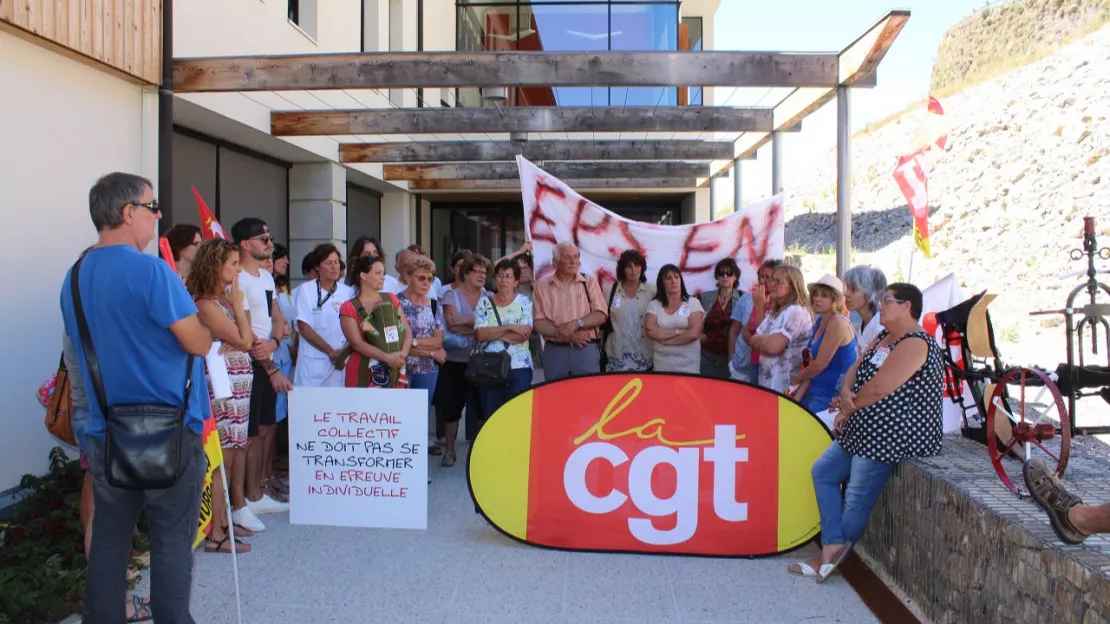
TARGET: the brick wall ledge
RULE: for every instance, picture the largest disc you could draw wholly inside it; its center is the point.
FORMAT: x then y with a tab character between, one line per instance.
950	538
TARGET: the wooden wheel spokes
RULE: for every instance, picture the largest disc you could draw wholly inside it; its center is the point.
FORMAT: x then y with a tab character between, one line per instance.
1026	418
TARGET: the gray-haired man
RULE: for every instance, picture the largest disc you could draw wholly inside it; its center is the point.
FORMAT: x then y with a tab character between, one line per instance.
143	326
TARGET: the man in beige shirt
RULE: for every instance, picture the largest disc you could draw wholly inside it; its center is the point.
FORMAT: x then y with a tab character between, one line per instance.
568	307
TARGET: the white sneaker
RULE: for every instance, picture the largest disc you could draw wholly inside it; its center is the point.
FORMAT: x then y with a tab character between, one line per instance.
267	505
245	518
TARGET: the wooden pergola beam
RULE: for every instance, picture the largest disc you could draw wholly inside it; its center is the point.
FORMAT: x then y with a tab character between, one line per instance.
597	183
474	151
568	170
403	70
520	119
857	64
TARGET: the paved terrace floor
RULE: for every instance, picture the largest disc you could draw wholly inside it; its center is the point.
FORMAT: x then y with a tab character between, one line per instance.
461	570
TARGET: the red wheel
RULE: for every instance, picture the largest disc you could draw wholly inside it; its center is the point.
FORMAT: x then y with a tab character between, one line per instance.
1027	416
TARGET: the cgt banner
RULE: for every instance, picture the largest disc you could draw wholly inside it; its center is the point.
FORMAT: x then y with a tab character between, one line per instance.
650	462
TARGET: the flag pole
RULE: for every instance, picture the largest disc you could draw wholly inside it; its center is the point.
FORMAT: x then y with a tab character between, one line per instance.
913	252
234	545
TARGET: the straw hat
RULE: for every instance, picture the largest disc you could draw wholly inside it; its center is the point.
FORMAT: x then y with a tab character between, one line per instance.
831	281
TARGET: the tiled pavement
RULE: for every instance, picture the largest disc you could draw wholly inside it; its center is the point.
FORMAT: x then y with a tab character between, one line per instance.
461	570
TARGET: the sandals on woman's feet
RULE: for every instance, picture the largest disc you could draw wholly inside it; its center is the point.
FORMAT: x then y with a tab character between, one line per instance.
241	531
827	569
224	546
140	610
802	568
448	459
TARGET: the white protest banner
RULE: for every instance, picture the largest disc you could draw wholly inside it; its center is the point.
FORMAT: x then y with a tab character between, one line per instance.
554	213
358	457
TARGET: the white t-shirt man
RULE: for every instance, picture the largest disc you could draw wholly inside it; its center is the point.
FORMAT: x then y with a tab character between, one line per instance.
258	295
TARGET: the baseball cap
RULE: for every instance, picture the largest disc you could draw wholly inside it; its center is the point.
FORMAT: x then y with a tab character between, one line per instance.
247	228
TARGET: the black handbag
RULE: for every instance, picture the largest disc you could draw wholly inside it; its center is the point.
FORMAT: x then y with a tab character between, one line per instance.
489	368
145	442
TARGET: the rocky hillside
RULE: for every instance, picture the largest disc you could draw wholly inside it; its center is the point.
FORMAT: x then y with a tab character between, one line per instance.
1008	35
1028	156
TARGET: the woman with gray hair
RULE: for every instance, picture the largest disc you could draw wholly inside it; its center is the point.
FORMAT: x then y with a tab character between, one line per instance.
864	286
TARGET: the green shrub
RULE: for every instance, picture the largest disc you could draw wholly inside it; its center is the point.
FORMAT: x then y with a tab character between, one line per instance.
42	555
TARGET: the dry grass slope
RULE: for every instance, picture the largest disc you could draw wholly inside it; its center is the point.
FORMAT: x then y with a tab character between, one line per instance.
1001	38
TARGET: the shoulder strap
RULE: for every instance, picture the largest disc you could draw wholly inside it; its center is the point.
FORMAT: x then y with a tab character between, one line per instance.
494	306
435	308
586	287
358	308
612	293
91	361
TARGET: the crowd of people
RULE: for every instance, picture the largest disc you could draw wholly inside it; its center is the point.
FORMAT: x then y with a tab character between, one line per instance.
351	324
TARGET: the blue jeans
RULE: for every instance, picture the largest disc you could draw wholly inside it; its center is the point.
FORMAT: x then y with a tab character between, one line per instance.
843	519
425	381
493	397
173	514
282	409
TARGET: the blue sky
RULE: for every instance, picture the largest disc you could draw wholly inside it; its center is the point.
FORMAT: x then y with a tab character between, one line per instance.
830	25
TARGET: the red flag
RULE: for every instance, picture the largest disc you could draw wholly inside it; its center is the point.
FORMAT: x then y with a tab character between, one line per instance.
209	226
911	178
167	252
911	172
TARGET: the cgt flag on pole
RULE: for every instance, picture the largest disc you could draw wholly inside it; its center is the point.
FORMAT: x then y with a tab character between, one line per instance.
209	226
911	172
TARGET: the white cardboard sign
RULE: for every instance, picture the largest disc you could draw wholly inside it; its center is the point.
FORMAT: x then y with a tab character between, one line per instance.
358	457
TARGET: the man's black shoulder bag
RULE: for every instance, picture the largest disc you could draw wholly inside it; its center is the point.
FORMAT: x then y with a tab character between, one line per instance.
145	442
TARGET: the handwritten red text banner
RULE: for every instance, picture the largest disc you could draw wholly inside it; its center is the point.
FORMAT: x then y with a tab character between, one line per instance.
358	457
556	214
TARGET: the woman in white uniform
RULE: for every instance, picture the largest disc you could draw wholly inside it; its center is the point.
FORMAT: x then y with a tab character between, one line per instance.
321	337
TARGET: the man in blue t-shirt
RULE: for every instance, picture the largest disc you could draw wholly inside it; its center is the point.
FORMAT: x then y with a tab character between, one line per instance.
143	326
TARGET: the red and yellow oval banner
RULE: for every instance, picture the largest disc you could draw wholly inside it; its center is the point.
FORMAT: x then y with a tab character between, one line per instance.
650	463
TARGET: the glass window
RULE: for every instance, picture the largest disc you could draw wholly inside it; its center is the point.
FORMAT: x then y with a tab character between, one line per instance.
562	26
644	27
566	28
694	42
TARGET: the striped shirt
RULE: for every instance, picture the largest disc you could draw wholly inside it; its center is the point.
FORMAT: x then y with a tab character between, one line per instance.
559	302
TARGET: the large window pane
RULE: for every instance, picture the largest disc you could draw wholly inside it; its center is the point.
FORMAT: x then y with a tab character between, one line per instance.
485	27
694	42
567	28
644	27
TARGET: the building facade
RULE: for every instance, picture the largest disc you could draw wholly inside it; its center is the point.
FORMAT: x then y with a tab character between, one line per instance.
86	86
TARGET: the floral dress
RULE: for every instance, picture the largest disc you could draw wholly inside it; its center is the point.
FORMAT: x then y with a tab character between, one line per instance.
424	324
631	356
233	414
519	312
796	324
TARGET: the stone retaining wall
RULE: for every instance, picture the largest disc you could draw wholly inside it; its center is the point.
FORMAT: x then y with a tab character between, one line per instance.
963	548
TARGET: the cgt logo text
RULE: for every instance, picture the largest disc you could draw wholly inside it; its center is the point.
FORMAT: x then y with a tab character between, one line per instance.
682	457
650	463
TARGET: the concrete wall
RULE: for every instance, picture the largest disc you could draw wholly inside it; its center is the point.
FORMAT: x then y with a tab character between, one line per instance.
242	27
72	124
